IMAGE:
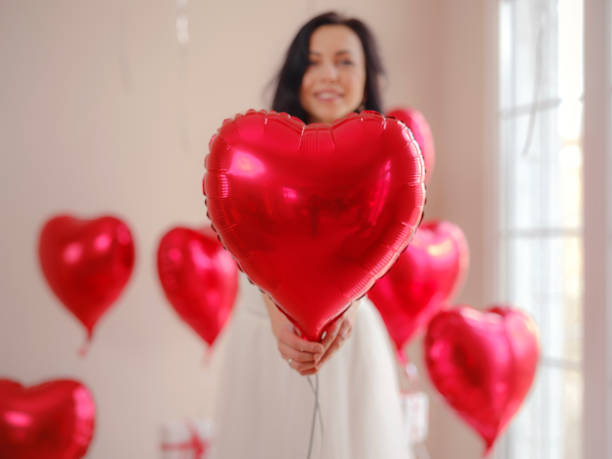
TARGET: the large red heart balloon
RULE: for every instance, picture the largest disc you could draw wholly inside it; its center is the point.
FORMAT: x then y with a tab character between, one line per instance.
87	263
417	123
425	277
314	214
483	364
199	278
53	420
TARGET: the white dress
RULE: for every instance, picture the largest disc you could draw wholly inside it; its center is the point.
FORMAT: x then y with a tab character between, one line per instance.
264	409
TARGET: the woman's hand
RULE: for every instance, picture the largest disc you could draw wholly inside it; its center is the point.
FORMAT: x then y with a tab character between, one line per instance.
338	332
307	357
301	354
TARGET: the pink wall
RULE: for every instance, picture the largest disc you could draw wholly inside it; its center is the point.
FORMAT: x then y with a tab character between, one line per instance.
104	112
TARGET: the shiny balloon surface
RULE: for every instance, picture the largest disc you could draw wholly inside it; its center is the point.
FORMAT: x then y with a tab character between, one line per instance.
483	363
199	278
424	279
314	214
52	420
87	263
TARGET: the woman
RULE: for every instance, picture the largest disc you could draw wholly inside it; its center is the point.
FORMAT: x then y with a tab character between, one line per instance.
267	407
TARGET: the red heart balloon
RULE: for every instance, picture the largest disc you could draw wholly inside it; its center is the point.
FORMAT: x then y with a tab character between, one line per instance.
417	123
199	278
425	277
314	214
86	263
483	364
53	420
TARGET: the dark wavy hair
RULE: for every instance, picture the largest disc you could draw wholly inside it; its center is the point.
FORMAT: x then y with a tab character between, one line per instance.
287	94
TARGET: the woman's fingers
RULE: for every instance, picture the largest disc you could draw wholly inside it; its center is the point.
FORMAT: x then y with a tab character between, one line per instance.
309	372
290	353
307	357
342	335
303	368
331	334
290	339
298	352
301	362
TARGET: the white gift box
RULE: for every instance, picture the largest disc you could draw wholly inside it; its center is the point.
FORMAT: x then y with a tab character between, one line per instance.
415	409
186	439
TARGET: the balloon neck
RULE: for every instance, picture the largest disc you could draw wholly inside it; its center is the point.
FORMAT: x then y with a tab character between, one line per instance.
488	450
86	345
401	357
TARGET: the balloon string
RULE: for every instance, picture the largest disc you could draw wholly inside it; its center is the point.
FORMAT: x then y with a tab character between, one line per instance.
318	406
316	411
401	357
207	356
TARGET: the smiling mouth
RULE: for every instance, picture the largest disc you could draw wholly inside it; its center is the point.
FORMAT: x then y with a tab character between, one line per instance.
328	96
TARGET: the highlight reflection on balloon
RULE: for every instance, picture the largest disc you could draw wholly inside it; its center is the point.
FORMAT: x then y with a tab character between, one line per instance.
483	364
52	420
199	278
87	263
314	214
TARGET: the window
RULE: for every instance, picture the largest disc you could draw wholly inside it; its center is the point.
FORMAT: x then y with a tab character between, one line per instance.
554	234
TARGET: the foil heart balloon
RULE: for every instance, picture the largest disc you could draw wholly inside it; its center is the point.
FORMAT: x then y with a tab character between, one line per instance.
53	420
483	364
314	214
87	263
425	277
199	278
417	123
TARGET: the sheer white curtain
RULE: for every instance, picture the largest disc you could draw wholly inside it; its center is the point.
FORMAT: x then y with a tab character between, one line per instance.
540	206
555	217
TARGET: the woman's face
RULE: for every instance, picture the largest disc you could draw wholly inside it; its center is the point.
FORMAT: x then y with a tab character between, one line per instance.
334	82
